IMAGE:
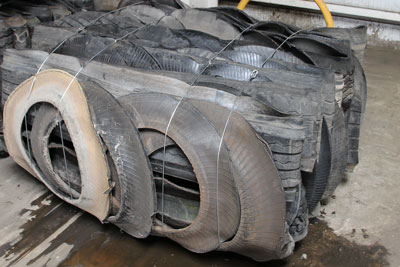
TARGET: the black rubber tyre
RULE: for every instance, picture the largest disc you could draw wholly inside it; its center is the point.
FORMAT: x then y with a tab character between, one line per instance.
339	150
296	206
199	141
315	182
359	76
298	228
133	184
152	140
354	114
50	85
3	148
122	141
260	189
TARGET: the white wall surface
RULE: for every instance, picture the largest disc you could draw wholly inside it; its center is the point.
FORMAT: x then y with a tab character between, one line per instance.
201	3
385	5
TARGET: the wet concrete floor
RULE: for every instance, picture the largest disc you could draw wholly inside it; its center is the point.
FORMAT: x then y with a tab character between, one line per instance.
87	242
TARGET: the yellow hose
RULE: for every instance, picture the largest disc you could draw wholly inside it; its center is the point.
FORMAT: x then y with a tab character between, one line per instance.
325	11
321	4
243	4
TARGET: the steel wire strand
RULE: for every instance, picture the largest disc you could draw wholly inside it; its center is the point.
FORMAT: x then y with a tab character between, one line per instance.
59	119
173	115
253	76
79	30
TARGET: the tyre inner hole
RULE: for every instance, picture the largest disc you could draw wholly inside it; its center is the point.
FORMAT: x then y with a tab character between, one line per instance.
68	169
181	189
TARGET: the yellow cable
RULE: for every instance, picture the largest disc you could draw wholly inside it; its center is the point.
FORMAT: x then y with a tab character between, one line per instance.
321	4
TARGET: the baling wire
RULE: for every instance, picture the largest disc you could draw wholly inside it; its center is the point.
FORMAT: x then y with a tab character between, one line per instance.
62	97
173	115
79	30
71	82
253	76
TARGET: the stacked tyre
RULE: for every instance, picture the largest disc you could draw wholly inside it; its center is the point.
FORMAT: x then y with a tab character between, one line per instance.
17	19
220	133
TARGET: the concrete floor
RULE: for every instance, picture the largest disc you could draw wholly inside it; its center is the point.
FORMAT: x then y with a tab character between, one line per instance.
370	198
358	227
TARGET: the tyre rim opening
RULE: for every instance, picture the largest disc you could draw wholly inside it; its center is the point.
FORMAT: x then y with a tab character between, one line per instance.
181	188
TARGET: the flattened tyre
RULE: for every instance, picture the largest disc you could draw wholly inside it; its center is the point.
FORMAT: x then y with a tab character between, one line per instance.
262	233
122	141
49	86
133	189
198	139
339	151
315	182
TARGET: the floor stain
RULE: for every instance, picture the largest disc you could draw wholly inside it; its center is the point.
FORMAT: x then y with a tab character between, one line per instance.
105	245
45	222
96	244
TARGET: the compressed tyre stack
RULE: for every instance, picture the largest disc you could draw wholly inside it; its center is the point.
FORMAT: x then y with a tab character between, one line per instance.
206	126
